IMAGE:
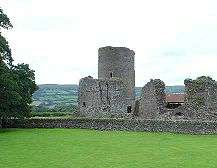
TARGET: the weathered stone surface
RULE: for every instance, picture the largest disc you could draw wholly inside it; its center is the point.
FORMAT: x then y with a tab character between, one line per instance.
192	127
102	98
152	101
201	93
118	62
112	95
136	109
200	101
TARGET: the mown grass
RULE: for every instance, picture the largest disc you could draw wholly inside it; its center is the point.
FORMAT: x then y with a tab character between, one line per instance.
76	148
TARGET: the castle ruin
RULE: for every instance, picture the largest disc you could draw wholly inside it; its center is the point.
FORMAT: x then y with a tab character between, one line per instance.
112	95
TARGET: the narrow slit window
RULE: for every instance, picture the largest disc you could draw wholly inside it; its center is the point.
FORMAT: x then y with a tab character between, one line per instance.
111	74
129	109
84	104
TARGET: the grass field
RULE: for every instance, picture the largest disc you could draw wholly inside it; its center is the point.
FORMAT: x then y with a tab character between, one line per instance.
75	148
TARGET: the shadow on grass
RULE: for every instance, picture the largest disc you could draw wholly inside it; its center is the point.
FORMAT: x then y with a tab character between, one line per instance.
6	130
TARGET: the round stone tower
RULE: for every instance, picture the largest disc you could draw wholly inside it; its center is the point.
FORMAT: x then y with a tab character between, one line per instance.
118	62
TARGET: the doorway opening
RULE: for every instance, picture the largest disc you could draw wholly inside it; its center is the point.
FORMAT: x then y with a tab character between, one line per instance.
84	104
129	109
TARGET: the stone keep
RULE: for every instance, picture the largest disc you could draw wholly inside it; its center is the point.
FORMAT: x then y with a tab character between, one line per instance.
112	95
118	62
152	101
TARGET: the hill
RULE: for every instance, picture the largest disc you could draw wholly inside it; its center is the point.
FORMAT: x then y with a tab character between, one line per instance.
50	95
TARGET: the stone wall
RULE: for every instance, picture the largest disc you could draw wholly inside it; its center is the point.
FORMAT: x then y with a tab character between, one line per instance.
201	93
118	62
103	98
192	127
152	101
200	101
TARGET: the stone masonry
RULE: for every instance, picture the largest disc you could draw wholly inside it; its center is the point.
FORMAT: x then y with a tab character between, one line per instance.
100	98
112	94
152	101
200	101
201	93
118	62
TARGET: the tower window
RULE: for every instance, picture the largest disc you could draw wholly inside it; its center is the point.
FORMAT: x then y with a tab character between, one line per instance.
129	109
84	104
111	74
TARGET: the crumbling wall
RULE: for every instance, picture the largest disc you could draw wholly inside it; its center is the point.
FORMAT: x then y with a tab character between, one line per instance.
201	93
103	98
200	101
136	108
153	100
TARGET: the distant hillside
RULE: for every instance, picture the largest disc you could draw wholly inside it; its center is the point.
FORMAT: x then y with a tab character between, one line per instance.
50	95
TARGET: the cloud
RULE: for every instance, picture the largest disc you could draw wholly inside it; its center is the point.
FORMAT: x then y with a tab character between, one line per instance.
172	39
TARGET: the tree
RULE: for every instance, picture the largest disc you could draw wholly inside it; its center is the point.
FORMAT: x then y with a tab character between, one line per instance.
25	87
17	82
5	51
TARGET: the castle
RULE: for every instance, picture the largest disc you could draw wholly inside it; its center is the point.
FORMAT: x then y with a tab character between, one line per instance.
112	95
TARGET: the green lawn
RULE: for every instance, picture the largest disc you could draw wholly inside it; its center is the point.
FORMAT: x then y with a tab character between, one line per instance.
75	148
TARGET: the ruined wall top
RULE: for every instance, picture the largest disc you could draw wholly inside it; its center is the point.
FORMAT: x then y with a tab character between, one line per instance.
201	93
156	83
152	100
156	87
115	50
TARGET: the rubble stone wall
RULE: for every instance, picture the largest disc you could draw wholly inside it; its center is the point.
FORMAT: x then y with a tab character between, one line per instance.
152	100
192	127
103	98
200	101
201	93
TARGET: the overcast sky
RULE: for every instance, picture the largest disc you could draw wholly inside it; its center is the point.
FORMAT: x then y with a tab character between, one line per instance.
172	39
